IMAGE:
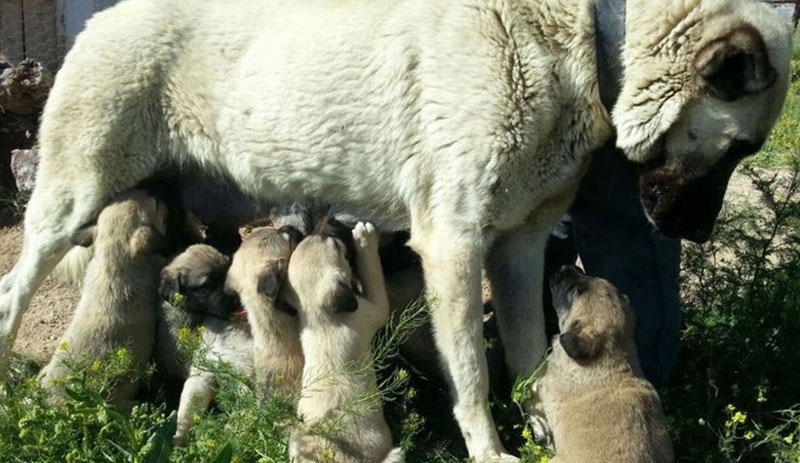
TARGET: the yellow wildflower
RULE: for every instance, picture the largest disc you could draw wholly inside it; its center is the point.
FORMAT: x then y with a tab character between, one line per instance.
184	333
526	434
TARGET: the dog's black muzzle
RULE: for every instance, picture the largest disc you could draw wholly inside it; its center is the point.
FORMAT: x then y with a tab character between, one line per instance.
686	206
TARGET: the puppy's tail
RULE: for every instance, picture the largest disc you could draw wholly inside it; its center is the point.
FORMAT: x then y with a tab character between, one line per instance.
72	267
395	456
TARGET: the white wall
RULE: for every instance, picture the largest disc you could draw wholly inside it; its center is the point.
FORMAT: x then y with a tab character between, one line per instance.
75	14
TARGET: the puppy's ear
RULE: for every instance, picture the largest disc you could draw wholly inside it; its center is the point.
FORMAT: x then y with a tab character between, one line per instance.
343	299
270	281
735	65
169	285
85	235
578	345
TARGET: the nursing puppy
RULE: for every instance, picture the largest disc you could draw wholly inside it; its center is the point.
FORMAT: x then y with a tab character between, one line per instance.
593	395
337	327
193	296
469	123
116	308
192	288
256	276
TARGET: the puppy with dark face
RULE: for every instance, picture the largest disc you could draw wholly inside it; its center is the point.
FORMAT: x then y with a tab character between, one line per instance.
193	295
116	308
336	328
592	393
256	276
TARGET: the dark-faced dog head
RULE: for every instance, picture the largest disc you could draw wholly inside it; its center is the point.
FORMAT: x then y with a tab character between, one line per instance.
195	281
697	98
135	221
593	316
258	269
321	282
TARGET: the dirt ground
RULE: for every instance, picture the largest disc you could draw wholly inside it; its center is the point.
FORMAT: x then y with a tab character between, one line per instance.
50	311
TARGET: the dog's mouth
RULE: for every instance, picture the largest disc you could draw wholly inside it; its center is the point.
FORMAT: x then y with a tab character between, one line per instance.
681	205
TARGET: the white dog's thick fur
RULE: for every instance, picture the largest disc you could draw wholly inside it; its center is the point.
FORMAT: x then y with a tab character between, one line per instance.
336	331
117	305
468	121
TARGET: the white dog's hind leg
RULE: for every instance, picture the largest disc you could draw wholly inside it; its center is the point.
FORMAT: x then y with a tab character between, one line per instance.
452	274
515	268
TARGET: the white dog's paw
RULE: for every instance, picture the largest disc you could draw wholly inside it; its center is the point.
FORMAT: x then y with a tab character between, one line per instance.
366	236
541	431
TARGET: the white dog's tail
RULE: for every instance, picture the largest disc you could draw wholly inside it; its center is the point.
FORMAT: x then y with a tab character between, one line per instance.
395	456
72	267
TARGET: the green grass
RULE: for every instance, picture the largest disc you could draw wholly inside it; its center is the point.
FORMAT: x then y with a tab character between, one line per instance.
780	150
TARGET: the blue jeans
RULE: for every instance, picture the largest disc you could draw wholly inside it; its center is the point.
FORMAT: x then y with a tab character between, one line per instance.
614	240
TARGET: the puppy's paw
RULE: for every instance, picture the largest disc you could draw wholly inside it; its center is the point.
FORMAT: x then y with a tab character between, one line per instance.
541	431
366	236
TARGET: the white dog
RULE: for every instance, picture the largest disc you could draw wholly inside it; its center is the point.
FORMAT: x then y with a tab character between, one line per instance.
469	122
336	331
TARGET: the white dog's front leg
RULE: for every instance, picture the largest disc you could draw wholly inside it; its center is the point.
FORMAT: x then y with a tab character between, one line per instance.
452	276
515	268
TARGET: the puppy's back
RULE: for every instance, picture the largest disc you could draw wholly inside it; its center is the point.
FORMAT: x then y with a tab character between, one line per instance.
621	422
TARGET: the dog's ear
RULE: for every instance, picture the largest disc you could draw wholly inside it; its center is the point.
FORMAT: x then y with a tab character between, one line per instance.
270	280
343	299
170	284
735	65
85	235
578	345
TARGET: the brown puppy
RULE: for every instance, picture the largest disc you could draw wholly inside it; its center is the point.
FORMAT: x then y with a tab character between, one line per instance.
337	328
119	291
593	395
256	276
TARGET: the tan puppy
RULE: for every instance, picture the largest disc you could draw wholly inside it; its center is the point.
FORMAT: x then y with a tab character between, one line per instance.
256	276
336	328
593	394
119	292
192	289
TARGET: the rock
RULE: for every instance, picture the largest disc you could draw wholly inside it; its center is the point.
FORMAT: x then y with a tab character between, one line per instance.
23	166
24	88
